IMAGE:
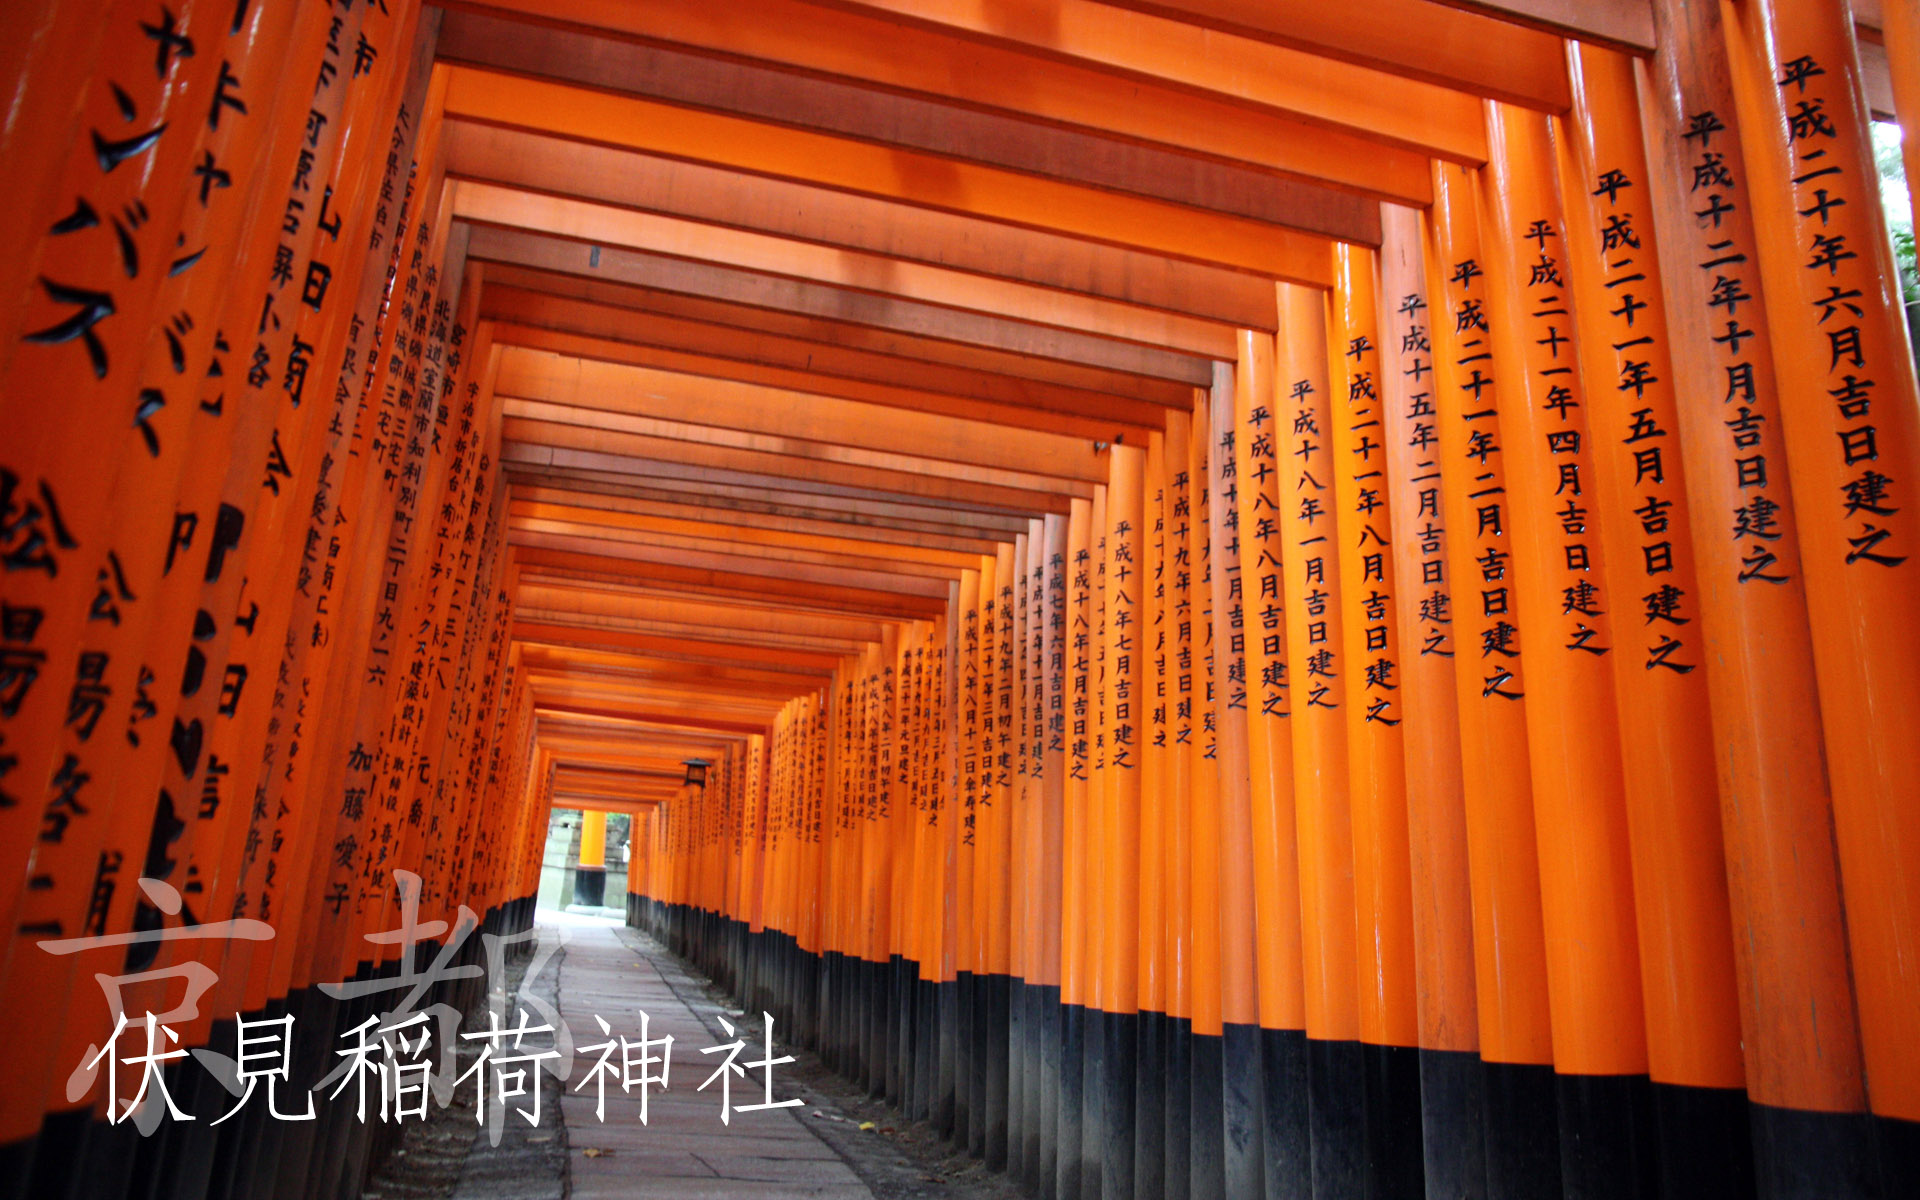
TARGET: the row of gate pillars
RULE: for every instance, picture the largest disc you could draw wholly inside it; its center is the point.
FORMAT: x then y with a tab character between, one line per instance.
258	705
261	1152
1531	814
1418	773
1073	1101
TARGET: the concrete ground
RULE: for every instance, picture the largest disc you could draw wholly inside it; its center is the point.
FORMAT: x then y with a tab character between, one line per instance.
836	1144
684	1151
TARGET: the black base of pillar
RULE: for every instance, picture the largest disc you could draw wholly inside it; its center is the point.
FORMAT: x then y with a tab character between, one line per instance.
1453	1122
1150	1106
1523	1131
1178	1134
1395	1157
589	886
1242	1104
1336	1099
1073	1035
1706	1143
1607	1137
1206	1116
1288	1141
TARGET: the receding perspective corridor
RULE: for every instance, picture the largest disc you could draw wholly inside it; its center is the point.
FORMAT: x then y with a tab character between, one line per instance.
1078	599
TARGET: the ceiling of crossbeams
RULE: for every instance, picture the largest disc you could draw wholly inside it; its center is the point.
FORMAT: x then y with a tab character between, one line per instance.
803	305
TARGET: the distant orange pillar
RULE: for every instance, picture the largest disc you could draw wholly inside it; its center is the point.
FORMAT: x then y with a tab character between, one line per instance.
590	876
1205	996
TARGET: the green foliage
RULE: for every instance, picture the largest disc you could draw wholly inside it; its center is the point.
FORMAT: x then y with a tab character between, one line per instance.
1903	253
1899	208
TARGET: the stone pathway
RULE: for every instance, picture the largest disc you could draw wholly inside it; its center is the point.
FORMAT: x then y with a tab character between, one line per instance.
684	1152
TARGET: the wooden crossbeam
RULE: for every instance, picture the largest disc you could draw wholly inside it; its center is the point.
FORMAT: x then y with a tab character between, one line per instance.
696	79
729	285
855	224
815	40
519	314
558	436
1019	369
1080	426
871	274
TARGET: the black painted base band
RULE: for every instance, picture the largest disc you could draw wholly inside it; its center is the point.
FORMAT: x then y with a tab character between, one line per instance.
1075	1087
590	886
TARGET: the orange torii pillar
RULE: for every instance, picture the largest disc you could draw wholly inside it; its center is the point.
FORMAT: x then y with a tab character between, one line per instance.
1093	812
1688	975
1173	716
1053	643
1077	640
1805	1094
954	1108
1567	613
1150	1057
1243	1134
1204	1056
1118	900
1271	836
590	873
213	585
1452	1098
1376	714
1850	410
1490	686
1323	687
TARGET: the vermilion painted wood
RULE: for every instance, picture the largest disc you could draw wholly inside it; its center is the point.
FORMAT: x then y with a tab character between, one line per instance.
1868	664
1429	648
1375	649
1680	879
1324	680
793	34
1502	853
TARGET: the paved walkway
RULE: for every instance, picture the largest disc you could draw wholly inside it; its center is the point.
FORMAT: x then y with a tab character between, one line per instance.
684	1152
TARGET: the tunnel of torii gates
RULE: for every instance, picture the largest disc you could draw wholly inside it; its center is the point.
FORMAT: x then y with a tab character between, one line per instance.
1282	599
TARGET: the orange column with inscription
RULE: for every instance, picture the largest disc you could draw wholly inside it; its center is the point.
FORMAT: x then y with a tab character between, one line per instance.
1281	999
975	586
1149	934
1321	692
1242	1122
1679	870
1376	714
1048	1006
1207	1059
1509	941
1119	899
1567	623
1093	882
1851	414
1452	1100
1075	989
1023	872
1176	848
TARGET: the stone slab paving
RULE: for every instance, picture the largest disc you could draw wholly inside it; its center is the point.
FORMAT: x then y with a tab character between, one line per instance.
684	1151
